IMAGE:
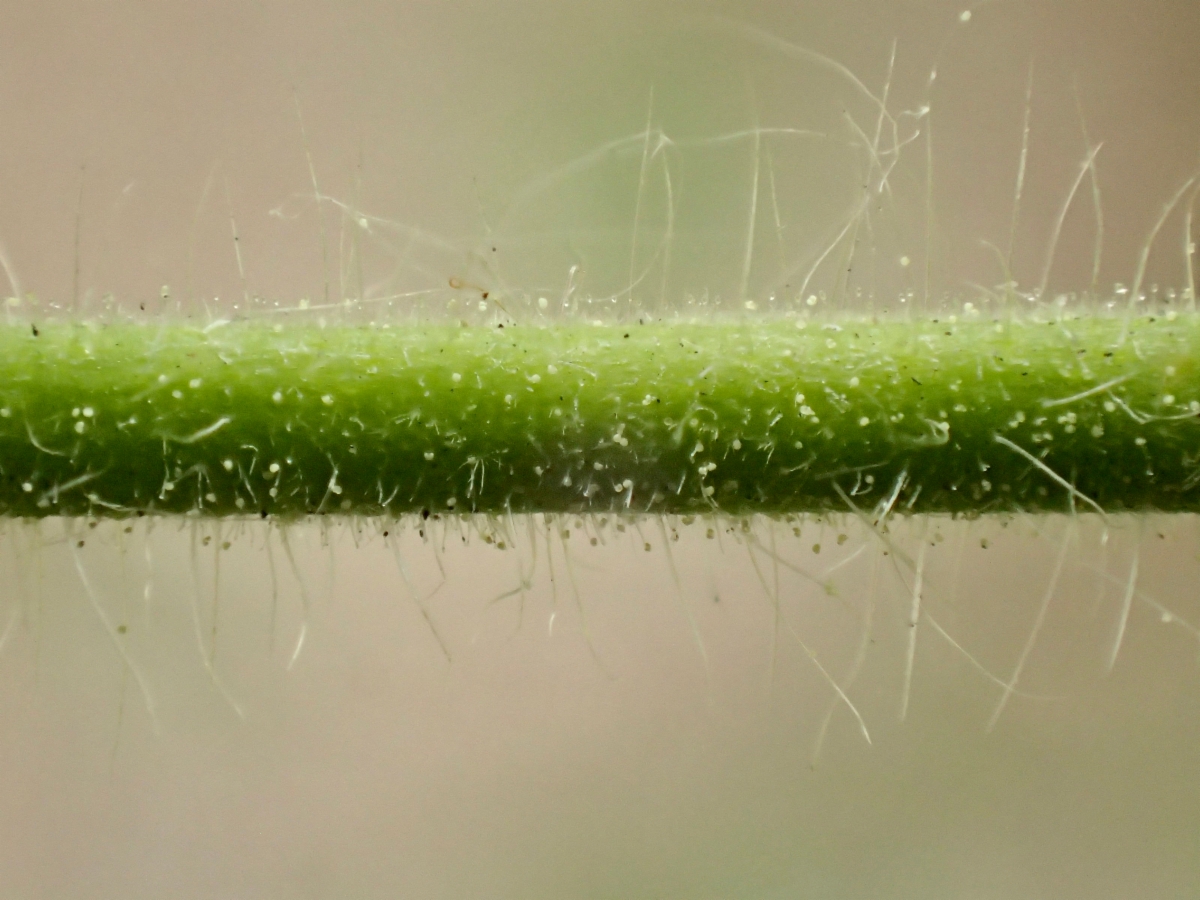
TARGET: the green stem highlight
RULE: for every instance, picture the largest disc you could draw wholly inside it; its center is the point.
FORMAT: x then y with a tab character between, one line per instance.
769	416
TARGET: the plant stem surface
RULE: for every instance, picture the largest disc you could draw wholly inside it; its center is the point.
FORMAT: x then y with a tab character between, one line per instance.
783	415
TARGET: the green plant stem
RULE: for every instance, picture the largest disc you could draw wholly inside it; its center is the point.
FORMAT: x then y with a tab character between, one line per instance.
757	416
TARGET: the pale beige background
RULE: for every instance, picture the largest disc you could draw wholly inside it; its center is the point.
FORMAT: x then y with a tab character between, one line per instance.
542	761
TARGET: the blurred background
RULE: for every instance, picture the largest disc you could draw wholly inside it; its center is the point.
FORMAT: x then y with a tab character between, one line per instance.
594	712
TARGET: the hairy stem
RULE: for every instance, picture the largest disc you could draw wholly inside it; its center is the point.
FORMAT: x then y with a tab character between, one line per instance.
759	416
